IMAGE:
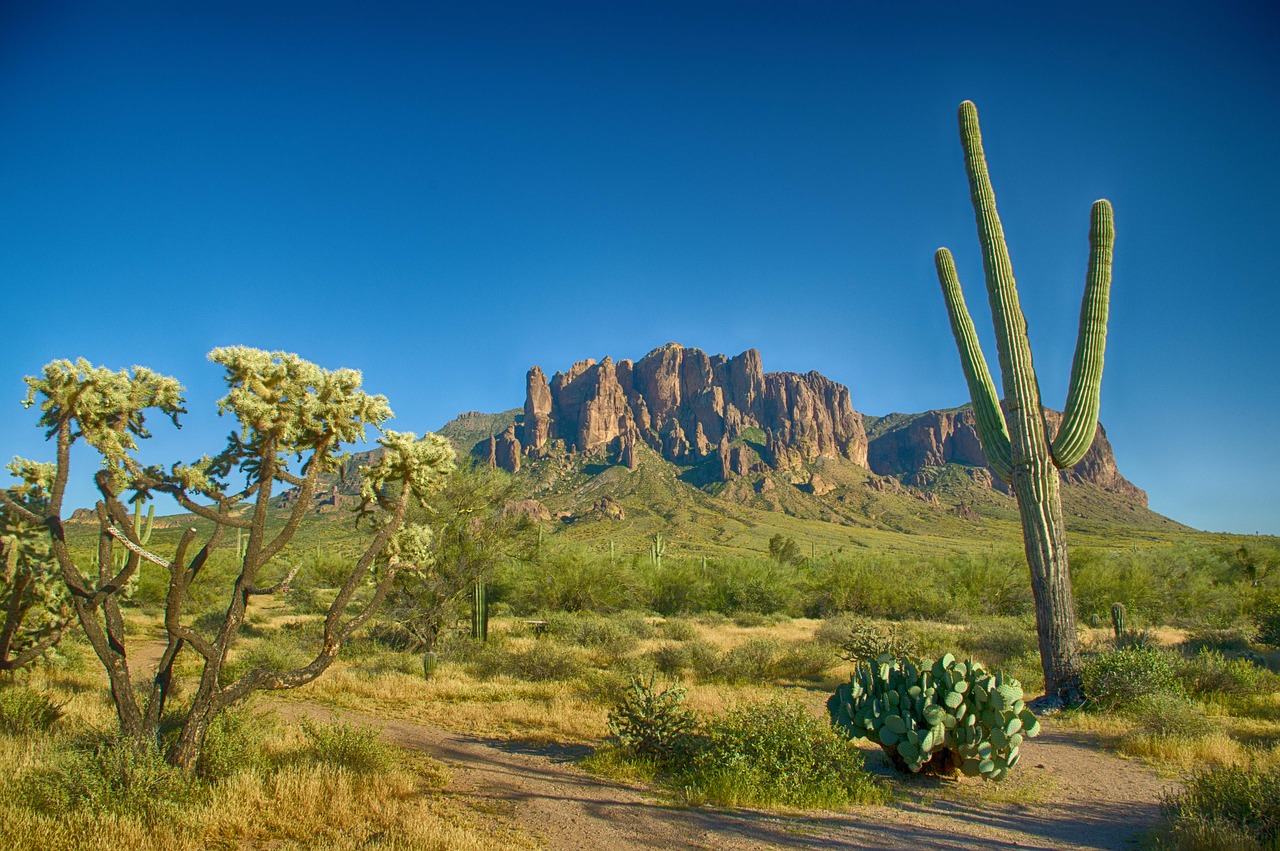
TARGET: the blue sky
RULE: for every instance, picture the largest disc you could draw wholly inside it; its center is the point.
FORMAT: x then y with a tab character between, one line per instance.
442	195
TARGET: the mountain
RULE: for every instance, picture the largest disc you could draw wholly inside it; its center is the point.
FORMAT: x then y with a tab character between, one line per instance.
717	455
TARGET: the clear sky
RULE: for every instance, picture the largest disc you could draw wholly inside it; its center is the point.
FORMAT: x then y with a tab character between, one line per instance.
443	194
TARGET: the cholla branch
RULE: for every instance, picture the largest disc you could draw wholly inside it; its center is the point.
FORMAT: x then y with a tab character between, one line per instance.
134	548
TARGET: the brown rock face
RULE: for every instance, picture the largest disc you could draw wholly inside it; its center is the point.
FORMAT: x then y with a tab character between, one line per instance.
506	450
940	437
687	404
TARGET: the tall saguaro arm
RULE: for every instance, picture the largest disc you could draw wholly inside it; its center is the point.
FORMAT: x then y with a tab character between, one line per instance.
992	431
1080	418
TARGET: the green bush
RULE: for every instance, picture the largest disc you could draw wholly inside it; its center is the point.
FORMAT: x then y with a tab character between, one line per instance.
752	661
857	638
1210	672
997	640
1116	678
671	658
1267	621
652	723
112	776
678	629
233	744
1230	807
357	750
544	660
24	710
774	754
1168	715
803	660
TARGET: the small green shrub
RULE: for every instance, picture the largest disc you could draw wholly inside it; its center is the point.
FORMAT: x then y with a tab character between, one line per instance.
111	776
671	658
1230	807
856	638
803	660
1267	622
654	724
25	710
545	660
1168	715
1210	672
233	744
773	754
678	629
1116	678
1137	639
750	620
1228	640
995	641
357	750
281	653
752	661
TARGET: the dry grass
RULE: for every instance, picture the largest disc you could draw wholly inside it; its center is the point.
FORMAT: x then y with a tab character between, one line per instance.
298	803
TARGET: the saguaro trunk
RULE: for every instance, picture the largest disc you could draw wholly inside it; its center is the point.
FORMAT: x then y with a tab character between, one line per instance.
1014	437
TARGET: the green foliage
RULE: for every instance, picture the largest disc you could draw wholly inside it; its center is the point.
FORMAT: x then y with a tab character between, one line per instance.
1168	715
1267	622
784	550
24	710
654	724
678	629
233	744
1230	807
861	639
1114	679
777	754
112	776
33	597
357	750
939	716
544	660
1210	672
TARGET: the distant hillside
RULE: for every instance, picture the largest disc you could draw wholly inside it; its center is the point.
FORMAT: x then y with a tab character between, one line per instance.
718	456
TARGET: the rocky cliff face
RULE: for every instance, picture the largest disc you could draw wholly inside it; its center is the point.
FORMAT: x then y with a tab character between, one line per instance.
933	438
687	406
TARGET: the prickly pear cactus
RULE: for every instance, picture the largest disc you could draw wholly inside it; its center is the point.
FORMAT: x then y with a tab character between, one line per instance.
938	716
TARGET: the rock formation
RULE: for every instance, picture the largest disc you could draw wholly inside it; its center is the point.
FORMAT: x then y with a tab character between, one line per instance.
940	437
688	406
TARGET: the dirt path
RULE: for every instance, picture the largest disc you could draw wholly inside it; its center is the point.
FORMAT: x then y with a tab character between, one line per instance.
1088	799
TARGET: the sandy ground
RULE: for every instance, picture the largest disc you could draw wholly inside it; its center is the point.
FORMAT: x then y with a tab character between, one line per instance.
1085	798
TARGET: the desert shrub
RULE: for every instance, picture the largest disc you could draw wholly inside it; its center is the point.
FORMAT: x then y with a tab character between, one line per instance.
1210	672
855	637
750	620
1226	640
24	710
1116	678
996	640
1137	639
615	634
357	750
282	653
1168	715
704	660
1267	623
544	660
111	775
752	661
671	658
652	723
773	754
803	660
1229	807
678	629
233	744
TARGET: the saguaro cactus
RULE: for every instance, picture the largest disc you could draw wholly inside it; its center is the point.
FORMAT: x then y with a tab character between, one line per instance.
1016	441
